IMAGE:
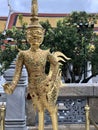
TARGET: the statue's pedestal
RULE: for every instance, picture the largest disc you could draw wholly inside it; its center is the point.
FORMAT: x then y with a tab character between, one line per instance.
15	105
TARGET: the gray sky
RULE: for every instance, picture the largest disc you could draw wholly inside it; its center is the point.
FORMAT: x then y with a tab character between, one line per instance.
50	6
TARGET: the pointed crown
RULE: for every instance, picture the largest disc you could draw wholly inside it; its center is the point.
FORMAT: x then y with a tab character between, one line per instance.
34	15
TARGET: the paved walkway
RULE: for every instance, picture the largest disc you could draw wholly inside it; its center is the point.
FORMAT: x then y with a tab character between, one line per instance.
65	127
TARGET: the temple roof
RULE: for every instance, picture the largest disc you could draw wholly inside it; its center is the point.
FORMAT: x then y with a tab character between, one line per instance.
52	18
2	23
14	20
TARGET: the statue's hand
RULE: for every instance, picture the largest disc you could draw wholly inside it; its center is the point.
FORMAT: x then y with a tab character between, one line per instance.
8	88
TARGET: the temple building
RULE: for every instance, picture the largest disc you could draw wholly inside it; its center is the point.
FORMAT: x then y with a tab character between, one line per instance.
13	20
3	21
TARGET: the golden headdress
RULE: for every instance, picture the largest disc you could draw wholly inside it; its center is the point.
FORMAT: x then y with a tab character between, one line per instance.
34	15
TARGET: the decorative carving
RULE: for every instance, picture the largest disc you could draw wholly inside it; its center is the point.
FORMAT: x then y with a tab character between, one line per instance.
42	88
71	110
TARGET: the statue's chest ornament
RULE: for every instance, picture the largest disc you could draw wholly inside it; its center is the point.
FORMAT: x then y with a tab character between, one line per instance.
35	60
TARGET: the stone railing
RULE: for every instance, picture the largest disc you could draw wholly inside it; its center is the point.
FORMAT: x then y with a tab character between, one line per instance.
83	94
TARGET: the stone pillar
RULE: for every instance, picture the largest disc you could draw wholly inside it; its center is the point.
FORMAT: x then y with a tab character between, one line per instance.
2	81
15	105
89	71
2	93
93	103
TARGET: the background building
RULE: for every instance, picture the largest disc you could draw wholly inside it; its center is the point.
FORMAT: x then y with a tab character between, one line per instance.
13	20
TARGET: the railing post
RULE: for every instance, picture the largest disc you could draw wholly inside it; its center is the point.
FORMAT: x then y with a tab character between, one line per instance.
87	112
2	109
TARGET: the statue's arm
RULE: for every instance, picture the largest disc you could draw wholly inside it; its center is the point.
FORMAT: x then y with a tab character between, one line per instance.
18	69
9	87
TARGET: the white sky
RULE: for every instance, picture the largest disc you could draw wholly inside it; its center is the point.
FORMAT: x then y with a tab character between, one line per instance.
50	6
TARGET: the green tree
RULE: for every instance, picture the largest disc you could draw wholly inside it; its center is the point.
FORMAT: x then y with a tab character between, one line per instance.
8	51
73	36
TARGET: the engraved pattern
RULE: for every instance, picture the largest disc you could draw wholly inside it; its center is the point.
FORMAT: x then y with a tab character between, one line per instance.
70	111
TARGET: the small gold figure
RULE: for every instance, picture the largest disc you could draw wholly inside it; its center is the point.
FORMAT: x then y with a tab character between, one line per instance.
43	88
2	117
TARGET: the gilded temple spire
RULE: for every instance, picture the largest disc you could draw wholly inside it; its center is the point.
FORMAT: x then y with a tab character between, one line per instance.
34	14
34	8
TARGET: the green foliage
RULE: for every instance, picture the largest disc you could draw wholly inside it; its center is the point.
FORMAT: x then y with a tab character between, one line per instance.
8	51
94	58
73	40
6	57
48	36
69	37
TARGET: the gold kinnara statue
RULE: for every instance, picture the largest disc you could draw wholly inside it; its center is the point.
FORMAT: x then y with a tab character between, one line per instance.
42	88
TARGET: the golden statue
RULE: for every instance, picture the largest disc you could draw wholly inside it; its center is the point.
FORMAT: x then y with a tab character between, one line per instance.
43	88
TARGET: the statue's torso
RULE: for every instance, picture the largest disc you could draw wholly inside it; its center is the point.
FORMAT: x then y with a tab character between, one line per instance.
35	63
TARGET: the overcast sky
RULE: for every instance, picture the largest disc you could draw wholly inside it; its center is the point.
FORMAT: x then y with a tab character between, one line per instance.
49	6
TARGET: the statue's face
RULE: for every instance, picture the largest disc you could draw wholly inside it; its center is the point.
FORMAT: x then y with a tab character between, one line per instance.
35	36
